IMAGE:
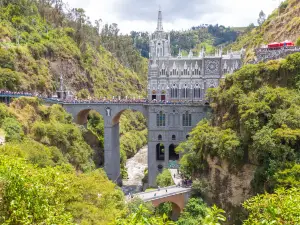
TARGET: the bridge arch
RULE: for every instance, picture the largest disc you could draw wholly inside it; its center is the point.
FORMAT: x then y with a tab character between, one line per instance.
177	202
111	114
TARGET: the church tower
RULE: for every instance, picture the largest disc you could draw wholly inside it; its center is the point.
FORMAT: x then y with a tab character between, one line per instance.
159	41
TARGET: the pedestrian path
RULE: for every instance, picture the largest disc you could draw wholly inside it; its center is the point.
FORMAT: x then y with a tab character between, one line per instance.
175	176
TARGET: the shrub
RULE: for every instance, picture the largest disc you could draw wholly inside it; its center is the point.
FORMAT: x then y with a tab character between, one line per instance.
13	129
164	179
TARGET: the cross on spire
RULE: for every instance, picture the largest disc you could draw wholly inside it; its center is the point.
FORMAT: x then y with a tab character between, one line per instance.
159	21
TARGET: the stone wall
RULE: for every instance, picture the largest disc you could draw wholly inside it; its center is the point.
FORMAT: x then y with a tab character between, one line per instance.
228	186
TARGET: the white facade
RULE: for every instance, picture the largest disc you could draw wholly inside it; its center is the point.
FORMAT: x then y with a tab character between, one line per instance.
184	78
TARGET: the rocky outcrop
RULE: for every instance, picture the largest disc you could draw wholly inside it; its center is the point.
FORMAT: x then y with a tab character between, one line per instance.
228	186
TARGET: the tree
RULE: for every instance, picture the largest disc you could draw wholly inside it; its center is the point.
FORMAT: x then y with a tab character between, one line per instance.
262	18
298	42
164	179
282	207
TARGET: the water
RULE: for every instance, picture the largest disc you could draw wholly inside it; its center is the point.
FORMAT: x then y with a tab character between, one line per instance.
135	168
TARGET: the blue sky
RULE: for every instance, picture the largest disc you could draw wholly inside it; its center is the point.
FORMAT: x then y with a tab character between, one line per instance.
141	15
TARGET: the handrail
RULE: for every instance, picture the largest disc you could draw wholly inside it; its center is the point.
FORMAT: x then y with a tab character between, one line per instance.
166	195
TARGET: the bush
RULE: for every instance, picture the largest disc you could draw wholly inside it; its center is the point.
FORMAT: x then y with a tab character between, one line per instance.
9	79
164	179
282	207
13	129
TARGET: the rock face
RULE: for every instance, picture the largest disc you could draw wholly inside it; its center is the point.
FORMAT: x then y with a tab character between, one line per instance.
228	187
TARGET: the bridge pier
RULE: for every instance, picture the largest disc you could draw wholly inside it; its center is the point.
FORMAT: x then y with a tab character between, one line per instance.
112	152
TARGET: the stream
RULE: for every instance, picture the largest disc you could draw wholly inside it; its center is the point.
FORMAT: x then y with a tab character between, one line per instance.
135	168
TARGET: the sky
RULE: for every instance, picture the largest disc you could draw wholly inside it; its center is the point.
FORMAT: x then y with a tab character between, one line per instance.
141	15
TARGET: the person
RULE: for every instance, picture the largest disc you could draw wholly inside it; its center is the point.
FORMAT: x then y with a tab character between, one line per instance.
174	175
158	188
166	190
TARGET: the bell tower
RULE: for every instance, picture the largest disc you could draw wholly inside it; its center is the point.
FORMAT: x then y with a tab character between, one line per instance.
159	41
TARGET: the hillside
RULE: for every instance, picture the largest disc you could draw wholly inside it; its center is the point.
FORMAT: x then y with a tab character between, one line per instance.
251	143
276	28
40	42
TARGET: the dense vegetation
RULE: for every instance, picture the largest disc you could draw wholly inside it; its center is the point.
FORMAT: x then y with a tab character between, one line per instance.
255	120
283	24
40	42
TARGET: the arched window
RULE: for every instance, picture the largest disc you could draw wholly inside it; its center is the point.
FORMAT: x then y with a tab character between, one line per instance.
185	91
172	154
160	152
173	137
161	119
174	91
159	137
197	92
187	119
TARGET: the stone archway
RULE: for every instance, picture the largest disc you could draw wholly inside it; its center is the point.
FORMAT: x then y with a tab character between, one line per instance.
177	201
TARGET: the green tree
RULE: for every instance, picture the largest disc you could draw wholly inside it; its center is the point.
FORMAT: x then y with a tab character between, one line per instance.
194	211
214	216
282	207
13	129
164	179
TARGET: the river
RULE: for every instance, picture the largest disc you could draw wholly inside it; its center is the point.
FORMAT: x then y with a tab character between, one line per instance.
135	169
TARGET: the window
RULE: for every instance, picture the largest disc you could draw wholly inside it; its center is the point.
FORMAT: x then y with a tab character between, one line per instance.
159	137
185	91
173	137
187	119
160	152
160	119
174	91
197	92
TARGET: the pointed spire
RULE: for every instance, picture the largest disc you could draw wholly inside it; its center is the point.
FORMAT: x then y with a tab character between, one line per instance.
159	21
191	53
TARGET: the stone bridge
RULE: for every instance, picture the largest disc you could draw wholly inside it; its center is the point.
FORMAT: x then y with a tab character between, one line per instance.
178	196
168	126
111	114
165	128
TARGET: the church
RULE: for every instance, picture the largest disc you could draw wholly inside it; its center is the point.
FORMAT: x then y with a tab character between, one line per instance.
184	78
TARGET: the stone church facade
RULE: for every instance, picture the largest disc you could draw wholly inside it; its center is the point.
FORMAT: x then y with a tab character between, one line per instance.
183	79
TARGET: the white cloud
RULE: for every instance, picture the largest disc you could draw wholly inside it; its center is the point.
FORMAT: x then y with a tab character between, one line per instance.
177	14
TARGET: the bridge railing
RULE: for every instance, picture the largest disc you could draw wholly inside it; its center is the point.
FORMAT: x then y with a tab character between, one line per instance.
165	195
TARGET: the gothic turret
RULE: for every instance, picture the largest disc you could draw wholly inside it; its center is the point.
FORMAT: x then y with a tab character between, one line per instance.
159	21
160	41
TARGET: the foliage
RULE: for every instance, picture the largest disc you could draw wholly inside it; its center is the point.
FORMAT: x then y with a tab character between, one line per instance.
34	153
135	203
55	195
194	211
164	179
143	217
164	209
279	26
214	216
13	129
289	177
282	207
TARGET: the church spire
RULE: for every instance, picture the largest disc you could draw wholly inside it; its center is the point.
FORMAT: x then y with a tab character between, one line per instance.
159	21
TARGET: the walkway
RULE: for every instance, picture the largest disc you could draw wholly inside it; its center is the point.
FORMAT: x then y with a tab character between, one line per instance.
162	193
177	179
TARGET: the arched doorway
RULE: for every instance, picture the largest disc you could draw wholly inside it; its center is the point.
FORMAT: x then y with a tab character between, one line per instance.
172	154
160	152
